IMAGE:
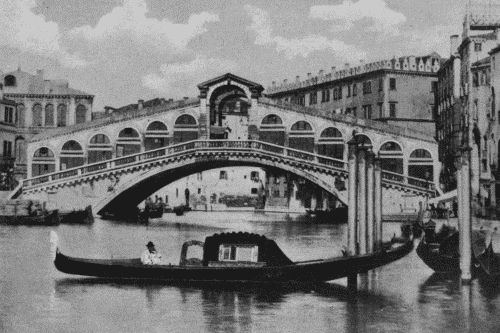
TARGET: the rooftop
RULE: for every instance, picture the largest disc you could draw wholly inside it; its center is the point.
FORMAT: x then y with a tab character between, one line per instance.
423	64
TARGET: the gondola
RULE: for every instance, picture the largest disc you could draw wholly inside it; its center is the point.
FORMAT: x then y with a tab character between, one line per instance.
439	250
156	211
82	216
46	218
234	257
487	259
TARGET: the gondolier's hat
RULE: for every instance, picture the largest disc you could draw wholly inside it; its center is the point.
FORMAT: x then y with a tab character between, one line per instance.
150	244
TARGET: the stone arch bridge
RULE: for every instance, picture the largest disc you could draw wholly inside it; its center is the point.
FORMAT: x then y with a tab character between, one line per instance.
118	160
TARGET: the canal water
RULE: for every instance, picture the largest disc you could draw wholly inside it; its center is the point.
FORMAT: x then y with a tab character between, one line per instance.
404	296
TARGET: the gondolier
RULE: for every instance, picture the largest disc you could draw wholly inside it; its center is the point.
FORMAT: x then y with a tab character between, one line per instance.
151	256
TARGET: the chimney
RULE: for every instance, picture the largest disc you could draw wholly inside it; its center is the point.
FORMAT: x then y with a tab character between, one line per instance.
297	78
185	98
140	104
334	69
346	65
309	76
361	62
39	73
273	84
321	72
454	43
285	81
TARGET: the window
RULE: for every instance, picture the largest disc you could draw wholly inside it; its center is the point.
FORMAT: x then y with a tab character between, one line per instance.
81	114
354	111
223	175
337	93
199	190
8	116
325	95
392	110
348	90
477	47
301	100
240	252
381	110
434	86
354	89
254	175
380	84
10	81
7	148
392	83
367	87
367	111
313	98
254	190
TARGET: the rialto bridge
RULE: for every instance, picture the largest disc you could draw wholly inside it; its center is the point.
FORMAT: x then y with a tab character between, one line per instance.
113	163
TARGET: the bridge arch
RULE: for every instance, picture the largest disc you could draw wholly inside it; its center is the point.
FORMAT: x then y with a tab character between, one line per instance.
43	162
364	140
331	143
185	128
71	155
156	135
272	130
128	142
99	148
144	184
301	136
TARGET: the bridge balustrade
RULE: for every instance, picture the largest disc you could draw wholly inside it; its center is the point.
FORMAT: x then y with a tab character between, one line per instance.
126	160
95	167
211	144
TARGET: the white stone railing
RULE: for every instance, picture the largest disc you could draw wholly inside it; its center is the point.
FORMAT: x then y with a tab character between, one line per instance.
212	145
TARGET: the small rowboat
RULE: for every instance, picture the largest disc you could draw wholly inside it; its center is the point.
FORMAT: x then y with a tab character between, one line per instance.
236	257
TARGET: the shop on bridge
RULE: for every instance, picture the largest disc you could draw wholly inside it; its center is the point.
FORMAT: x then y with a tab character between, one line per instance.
185	129
71	155
99	149
156	136
128	142
43	162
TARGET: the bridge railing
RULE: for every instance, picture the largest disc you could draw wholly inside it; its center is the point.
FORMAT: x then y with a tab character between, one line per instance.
408	180
198	145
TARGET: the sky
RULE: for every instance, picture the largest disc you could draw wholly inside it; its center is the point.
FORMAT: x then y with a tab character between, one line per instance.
125	50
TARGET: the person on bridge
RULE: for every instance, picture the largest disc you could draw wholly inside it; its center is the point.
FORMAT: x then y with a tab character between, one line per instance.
151	256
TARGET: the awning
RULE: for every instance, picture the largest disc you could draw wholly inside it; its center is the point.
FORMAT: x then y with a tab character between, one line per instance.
446	197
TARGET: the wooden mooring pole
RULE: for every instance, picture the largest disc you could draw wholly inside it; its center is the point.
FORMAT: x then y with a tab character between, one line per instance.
352	232
464	214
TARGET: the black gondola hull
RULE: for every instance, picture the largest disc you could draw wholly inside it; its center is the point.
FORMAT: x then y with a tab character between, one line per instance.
310	271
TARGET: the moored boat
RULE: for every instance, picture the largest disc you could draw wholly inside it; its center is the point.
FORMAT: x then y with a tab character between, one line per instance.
238	257
439	250
82	216
487	259
45	218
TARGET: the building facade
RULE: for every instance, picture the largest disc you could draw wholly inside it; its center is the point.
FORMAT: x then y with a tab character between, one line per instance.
8	135
397	91
466	112
41	104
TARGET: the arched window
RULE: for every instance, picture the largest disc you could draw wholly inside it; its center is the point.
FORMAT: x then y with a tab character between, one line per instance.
391	157
272	119
71	155
363	141
43	162
420	165
185	119
331	143
156	136
301	136
81	114
99	149
301	126
10	81
49	115
37	119
185	129
272	130
61	115
128	142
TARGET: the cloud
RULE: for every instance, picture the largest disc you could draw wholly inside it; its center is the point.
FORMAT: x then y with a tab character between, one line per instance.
293	47
130	21
345	15
178	79
22	29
